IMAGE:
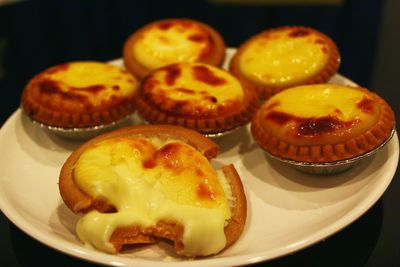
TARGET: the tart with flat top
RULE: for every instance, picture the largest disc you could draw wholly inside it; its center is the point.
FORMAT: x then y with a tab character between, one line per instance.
284	57
172	40
79	94
148	183
322	123
197	96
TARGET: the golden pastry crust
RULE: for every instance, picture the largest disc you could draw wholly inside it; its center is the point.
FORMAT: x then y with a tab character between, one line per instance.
80	202
210	50
196	96
325	138
264	83
79	94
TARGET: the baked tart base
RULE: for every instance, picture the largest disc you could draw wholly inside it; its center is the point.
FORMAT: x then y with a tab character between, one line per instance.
264	83
190	32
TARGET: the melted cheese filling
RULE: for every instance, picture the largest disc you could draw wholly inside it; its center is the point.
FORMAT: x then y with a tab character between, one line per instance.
149	180
178	43
325	109
100	81
281	60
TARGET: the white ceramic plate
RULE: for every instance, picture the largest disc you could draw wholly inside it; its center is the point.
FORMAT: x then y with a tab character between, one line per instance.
287	210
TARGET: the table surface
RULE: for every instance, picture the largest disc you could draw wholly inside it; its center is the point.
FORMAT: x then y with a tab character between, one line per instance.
371	240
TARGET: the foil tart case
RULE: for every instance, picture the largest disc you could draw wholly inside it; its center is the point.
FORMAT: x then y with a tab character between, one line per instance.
330	168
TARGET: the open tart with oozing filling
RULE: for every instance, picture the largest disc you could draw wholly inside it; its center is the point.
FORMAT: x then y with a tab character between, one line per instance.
172	40
142	184
197	96
322	123
79	94
284	57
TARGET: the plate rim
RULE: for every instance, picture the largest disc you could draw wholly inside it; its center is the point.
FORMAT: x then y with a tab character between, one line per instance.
233	260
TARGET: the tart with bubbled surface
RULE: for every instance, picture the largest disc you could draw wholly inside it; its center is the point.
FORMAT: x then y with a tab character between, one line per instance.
322	123
197	96
284	57
79	94
167	41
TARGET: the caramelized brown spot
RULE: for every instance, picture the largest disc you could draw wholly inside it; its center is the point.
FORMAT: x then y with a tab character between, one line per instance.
319	41
279	117
61	67
199	173
310	126
49	87
199	38
169	158
318	126
165	25
366	105
185	90
204	192
203	74
210	98
299	33
173	72
115	87
149	163
272	105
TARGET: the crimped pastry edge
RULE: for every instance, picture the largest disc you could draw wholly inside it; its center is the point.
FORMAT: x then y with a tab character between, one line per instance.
216	57
265	91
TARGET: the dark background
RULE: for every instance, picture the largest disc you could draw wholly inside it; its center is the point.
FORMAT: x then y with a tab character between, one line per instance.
35	35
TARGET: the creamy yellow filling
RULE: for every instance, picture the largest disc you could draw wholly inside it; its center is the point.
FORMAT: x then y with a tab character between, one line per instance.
341	112
184	188
216	83
158	47
280	60
321	100
99	80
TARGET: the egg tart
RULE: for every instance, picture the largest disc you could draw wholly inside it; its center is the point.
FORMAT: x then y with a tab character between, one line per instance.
148	183
172	40
79	94
284	57
322	123
197	96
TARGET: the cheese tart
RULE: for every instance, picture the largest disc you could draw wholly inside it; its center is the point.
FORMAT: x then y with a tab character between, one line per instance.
322	123
147	183
284	57
79	94
197	96
167	41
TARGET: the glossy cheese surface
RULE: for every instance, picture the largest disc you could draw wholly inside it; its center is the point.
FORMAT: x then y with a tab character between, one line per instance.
152	180
86	83
193	89
319	114
284	57
171	41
